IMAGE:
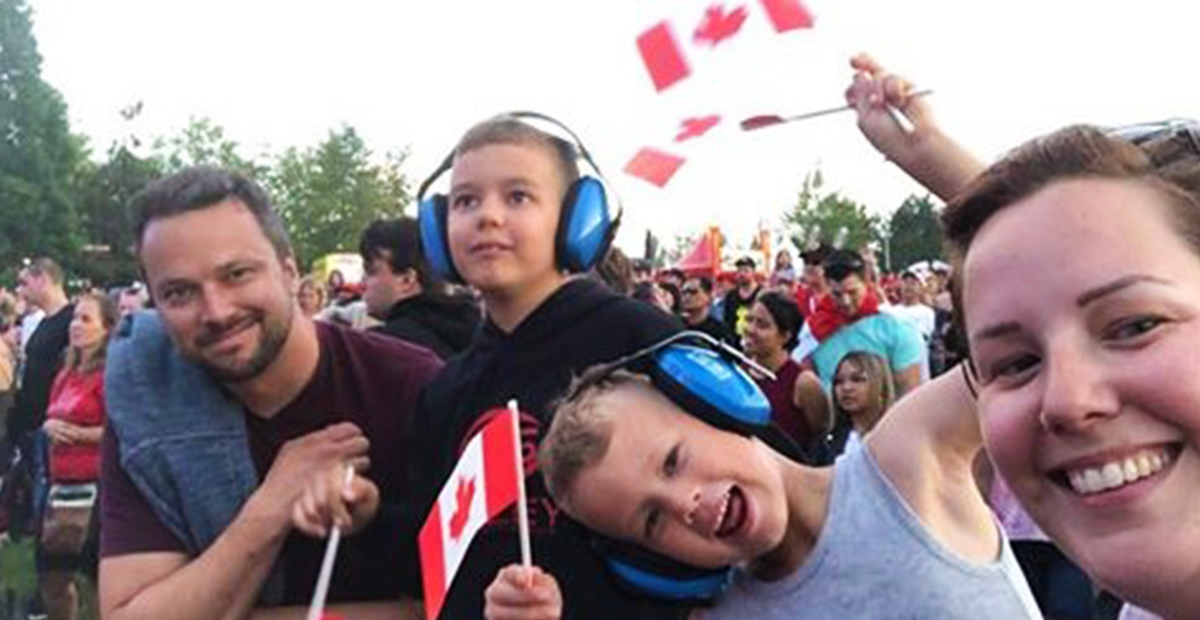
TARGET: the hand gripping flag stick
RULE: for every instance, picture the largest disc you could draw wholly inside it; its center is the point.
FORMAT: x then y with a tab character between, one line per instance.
335	538
770	120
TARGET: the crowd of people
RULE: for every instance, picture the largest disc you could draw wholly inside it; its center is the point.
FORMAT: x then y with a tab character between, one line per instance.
775	443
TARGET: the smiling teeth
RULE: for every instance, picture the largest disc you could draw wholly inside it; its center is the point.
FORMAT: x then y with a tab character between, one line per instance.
721	512
1116	474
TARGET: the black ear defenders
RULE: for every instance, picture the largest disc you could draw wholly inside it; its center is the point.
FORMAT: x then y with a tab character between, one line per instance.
704	377
585	227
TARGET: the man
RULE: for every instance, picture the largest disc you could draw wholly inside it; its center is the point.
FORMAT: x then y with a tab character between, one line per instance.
916	314
848	319
40	284
132	298
738	301
225	404
696	309
400	291
643	271
814	286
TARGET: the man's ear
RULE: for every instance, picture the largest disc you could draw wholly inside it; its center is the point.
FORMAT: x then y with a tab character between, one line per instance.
291	273
410	281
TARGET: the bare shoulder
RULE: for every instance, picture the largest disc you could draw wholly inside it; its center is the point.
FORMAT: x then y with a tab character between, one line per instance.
925	446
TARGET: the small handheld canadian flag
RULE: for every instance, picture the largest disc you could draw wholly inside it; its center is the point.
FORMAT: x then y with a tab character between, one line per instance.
487	479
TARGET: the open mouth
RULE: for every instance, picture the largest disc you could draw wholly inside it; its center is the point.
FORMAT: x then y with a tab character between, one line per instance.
1118	473
732	517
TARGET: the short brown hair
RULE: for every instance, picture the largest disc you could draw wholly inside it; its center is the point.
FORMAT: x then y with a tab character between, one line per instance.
580	433
48	268
511	130
1169	164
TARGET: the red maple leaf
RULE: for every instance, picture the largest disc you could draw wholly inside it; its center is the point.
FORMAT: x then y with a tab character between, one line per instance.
462	507
718	25
696	126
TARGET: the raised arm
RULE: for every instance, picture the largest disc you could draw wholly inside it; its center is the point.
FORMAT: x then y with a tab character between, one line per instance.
917	145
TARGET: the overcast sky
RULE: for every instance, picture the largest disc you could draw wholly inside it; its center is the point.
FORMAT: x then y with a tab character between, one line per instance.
415	74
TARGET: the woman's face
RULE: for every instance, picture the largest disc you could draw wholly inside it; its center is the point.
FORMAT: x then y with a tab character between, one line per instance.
762	337
1083	313
851	388
87	329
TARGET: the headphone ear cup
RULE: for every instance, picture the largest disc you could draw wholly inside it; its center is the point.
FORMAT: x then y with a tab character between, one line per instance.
435	243
644	572
585	228
711	387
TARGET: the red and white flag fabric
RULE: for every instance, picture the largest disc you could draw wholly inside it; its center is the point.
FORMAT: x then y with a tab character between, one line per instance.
484	484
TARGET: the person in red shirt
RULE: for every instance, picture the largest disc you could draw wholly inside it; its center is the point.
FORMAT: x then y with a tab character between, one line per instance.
74	425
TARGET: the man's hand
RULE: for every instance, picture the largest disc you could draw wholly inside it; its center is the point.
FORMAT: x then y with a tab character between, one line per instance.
300	462
520	593
329	501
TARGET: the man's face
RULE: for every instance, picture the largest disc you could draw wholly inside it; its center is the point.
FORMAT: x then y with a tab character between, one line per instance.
693	297
31	288
849	294
384	287
814	276
225	295
745	275
910	289
130	302
503	214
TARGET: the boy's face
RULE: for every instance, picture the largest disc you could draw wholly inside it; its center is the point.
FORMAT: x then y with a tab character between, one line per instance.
679	487
505	201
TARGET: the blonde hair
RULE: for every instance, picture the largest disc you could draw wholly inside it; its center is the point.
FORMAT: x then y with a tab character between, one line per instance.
881	391
580	433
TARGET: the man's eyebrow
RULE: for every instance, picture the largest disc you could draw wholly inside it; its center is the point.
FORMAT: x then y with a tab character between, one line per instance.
1117	285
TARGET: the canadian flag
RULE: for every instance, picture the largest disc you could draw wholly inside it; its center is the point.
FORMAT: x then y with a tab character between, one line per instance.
484	483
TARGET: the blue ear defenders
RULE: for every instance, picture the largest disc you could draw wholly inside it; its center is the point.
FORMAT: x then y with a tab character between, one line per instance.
705	378
585	228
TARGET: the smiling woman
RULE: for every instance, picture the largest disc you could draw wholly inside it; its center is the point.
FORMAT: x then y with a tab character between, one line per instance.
1079	261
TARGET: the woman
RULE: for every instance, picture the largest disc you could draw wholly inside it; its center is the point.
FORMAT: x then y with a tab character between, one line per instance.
310	296
862	392
74	425
1079	262
798	404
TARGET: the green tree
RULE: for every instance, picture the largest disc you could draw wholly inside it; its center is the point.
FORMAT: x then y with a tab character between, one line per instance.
105	190
915	232
202	142
328	194
38	155
829	218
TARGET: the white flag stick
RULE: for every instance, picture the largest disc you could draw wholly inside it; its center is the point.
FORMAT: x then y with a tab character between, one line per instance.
522	508
318	600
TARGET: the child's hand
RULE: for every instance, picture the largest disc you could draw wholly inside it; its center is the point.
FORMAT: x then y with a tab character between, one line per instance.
520	593
328	501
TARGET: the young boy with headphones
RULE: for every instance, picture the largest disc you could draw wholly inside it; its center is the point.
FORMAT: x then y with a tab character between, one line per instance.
518	222
662	455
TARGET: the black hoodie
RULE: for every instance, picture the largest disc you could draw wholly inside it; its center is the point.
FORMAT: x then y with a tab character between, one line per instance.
442	324
580	325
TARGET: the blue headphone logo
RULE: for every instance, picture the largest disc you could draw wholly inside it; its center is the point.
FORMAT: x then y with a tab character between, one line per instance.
704	377
585	228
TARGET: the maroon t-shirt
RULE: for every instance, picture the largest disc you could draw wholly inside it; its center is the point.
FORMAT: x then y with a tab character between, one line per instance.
784	412
368	379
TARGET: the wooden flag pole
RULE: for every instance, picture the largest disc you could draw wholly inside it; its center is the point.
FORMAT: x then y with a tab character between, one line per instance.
522	507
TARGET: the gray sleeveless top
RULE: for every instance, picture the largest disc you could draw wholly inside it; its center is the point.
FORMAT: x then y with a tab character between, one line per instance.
874	559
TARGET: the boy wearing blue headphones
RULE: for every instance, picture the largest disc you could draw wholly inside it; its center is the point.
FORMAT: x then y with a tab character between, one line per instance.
519	221
895	530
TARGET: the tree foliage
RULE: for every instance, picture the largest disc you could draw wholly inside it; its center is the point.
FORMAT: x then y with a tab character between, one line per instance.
38	154
914	231
828	217
104	197
328	194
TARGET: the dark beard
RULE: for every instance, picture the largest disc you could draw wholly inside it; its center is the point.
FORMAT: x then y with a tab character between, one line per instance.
274	336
